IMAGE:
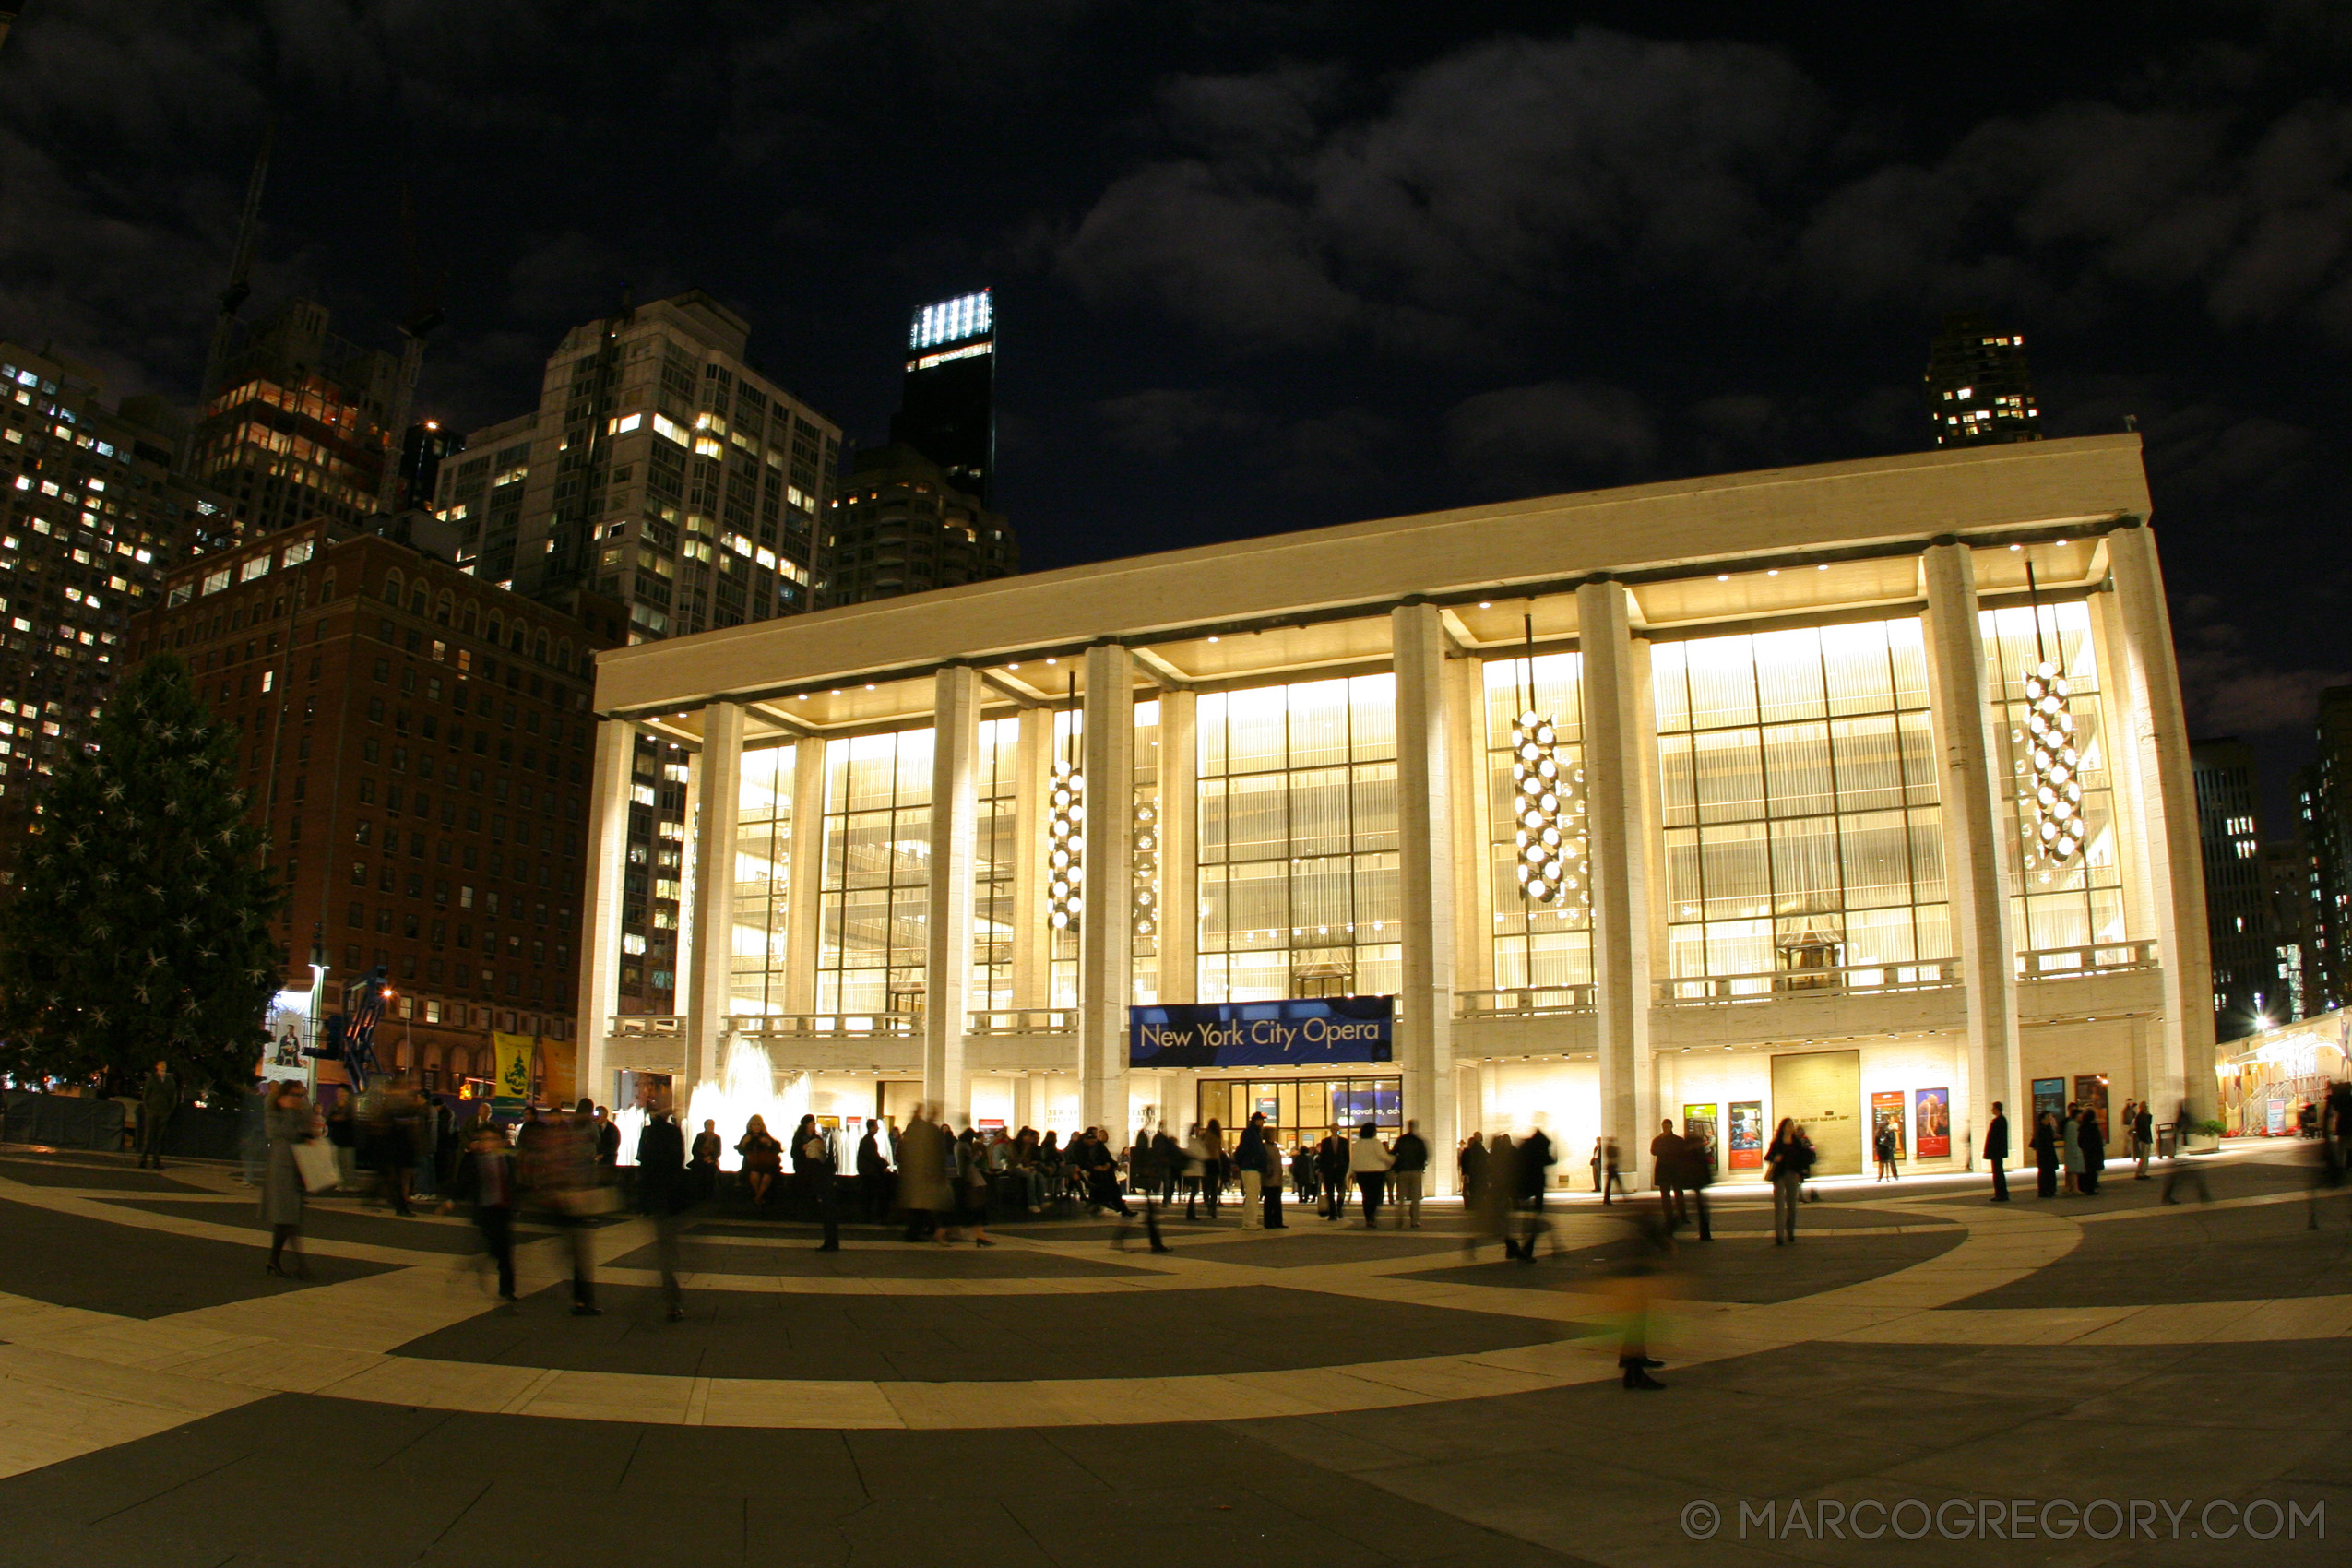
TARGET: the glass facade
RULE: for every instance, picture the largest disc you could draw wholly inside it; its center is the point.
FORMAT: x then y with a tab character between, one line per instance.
2081	903
1144	911
1533	946
763	879
1803	826
876	890
1298	870
995	851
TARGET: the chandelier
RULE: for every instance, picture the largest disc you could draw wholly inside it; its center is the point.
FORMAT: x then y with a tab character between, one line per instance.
2053	763
1065	849
1555	866
1146	868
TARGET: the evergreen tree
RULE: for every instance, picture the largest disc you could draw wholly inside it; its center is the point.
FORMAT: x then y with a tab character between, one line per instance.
138	929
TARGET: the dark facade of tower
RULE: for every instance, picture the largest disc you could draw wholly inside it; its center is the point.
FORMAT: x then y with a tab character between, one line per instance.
947	409
2249	990
1980	390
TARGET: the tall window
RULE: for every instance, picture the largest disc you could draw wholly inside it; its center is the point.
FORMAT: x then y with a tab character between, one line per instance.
996	852
1061	946
1144	911
763	879
2081	903
1803	830
876	893
1298	841
1532	945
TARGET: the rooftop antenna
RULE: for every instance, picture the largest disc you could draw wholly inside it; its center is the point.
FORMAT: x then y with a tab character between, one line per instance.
240	285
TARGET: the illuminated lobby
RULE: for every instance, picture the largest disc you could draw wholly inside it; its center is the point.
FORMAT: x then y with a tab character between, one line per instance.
1853	793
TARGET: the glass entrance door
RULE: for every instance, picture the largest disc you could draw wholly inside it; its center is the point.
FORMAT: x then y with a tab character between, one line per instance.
1304	1108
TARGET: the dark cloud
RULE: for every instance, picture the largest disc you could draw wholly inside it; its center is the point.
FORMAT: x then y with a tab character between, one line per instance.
1525	440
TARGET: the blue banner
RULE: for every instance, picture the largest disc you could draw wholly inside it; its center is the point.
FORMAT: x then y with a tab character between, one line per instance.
1263	1034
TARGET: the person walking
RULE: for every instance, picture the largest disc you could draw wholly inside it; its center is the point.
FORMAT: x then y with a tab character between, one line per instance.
2070	1133
1196	1174
1789	1161
1249	1158
158	1102
485	1179
566	1183
1470	1162
2045	1148
1698	1174
2142	1140
1497	1196
2181	1164
1212	1165
1666	1171
662	1196
1890	1153
1536	1159
286	1123
1368	1164
1611	1181
1997	1152
1410	1168
2092	1139
923	1189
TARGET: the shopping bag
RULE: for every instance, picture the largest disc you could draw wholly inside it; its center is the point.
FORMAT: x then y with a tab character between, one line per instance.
315	1162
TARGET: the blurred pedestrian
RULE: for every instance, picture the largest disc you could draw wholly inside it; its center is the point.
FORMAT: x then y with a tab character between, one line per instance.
1997	1152
1637	1269
288	1123
1330	1173
1368	1164
971	1188
1698	1174
2181	1164
1787	1160
2142	1140
923	1189
1498	1197
2045	1148
1469	1161
1666	1171
1410	1169
158	1102
1611	1181
562	1172
2092	1140
485	1179
1533	1161
662	1196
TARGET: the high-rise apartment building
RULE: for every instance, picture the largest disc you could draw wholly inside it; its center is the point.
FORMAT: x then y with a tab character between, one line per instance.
423	445
895	525
93	511
299	423
1980	390
2286	881
2247	986
947	406
415	744
660	470
2323	800
663	473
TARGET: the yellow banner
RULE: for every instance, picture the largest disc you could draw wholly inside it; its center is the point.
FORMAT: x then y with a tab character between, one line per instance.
511	1056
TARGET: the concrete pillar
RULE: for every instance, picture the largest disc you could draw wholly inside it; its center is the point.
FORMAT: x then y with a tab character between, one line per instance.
1975	849
804	873
955	821
1425	877
608	853
1616	805
2182	1067
1106	941
710	936
1032	942
1180	898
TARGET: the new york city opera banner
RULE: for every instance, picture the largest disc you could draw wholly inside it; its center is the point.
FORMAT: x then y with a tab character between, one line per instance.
1306	1033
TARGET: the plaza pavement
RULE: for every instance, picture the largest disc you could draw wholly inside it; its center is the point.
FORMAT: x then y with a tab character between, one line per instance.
1317	1394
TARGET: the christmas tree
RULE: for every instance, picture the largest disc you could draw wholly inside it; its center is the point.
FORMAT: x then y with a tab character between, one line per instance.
138	930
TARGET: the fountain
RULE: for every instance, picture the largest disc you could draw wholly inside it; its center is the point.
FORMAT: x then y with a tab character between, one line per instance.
746	1087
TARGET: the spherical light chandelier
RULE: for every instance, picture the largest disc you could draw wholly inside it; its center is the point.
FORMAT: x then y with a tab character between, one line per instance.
1547	795
1147	848
2050	771
1065	845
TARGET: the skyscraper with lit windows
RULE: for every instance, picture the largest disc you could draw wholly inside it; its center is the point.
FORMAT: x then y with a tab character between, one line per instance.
948	409
1980	390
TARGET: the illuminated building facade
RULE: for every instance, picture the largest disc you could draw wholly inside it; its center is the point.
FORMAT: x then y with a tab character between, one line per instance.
895	525
947	407
2323	800
299	423
1980	388
92	510
2249	994
1792	708
415	744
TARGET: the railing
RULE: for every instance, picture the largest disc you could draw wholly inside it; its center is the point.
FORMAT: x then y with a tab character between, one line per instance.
647	1024
1525	1001
2065	963
1024	1021
1851	980
849	1025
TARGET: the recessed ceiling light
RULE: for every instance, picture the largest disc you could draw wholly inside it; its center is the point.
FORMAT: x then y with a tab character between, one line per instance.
869	686
1212	639
1486	604
1723	577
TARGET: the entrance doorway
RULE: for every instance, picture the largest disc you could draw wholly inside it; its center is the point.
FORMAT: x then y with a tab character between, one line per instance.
1297	1107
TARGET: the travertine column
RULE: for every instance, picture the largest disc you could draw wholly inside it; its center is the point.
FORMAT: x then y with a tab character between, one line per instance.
1180	899
1032	939
2183	1061
955	809
804	885
709	958
1976	857
1106	939
1615	805
1425	879
608	853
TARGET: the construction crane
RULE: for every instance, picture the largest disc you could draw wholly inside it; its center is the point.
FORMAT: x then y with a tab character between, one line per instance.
240	286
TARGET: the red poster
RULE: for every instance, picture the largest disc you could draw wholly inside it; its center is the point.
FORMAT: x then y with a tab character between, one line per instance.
1934	1126
1886	1111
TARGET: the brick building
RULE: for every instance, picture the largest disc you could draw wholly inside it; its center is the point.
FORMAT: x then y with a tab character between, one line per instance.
416	743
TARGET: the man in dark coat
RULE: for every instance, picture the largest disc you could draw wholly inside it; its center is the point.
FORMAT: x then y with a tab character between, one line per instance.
2094	1141
486	1178
661	1195
158	1102
1997	1152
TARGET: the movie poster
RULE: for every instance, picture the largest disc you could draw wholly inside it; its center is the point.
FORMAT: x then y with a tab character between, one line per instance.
1886	1111
1699	1122
1746	1135
1934	1124
2050	1094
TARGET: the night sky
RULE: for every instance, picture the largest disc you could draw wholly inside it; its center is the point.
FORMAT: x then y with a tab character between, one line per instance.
1271	265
